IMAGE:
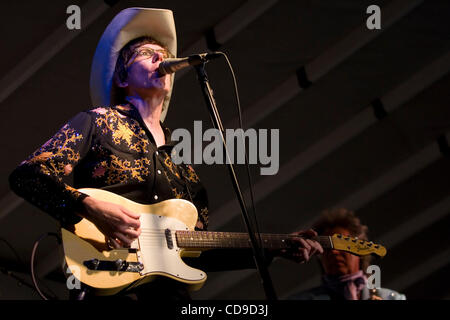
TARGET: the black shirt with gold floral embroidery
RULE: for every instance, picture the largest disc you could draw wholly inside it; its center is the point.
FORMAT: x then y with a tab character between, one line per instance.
111	148
108	148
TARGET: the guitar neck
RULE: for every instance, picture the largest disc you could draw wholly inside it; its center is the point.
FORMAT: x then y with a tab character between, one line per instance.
197	240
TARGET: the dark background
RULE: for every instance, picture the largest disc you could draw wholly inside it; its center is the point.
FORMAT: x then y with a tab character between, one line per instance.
369	134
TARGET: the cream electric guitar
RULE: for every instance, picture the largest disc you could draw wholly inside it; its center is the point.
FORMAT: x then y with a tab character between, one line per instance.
167	235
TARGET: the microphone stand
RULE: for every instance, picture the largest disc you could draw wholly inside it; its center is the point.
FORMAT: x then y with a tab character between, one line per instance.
215	117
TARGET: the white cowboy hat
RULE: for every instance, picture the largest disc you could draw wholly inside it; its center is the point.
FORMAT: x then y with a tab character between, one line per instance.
128	25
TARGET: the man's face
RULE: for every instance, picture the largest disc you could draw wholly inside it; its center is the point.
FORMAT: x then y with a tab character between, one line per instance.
338	263
142	70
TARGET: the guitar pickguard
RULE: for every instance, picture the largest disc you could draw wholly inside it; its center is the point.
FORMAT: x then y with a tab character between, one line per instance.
157	255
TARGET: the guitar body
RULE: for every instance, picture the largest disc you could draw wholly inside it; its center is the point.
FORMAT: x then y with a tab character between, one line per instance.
153	249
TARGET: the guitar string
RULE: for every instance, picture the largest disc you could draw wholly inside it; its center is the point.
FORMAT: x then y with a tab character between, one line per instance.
207	241
218	236
196	236
240	234
162	237
212	238
183	232
204	243
161	241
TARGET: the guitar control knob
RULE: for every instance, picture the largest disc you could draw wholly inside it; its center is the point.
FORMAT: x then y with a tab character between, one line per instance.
119	264
92	264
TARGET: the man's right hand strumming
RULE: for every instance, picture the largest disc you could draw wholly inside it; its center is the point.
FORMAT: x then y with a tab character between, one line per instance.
119	225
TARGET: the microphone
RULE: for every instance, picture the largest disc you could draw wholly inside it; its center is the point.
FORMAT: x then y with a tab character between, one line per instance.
172	65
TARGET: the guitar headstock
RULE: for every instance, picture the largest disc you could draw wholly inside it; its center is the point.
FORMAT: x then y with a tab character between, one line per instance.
357	246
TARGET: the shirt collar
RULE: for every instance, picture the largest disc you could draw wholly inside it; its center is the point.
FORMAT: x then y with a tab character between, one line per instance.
131	111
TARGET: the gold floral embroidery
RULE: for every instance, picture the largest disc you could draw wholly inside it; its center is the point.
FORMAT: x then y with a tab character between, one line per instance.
171	166
74	191
178	195
204	216
45	169
192	176
120	170
122	131
41	157
61	145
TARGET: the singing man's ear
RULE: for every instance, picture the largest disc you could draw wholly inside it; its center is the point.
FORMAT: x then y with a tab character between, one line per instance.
118	82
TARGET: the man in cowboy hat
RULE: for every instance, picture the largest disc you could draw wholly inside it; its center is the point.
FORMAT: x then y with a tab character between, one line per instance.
122	146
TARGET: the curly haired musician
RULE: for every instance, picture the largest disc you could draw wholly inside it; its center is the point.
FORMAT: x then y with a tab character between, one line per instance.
344	275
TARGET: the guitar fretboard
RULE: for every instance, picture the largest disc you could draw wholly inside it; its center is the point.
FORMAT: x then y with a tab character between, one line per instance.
210	240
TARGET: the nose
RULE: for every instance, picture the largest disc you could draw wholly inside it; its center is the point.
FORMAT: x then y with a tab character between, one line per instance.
158	56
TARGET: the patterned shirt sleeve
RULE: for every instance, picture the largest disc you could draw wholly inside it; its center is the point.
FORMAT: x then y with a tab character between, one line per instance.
40	178
199	196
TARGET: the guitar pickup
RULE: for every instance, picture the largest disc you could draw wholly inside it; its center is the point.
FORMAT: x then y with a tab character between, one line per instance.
169	239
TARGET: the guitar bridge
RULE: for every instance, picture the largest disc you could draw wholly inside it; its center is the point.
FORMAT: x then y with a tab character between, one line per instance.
117	265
